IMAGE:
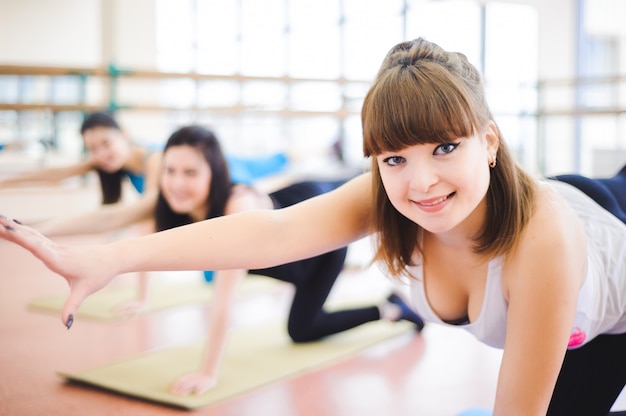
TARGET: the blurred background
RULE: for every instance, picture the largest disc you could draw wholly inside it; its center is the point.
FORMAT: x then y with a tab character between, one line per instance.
290	75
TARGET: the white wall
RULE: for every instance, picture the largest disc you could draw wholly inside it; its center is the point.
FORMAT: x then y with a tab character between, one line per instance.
83	33
52	33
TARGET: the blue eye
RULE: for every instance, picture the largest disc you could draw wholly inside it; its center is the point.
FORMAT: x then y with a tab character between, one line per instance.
445	148
393	160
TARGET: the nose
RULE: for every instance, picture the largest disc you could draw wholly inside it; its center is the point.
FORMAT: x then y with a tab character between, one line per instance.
176	181
423	175
98	154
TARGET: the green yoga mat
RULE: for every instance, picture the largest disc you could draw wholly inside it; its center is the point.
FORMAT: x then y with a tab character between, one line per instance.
163	295
253	358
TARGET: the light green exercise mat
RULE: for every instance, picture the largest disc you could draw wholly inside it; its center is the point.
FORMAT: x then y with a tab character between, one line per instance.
253	358
163	295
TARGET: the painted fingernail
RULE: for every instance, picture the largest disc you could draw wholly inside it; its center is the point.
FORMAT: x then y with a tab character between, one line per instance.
9	228
70	321
17	221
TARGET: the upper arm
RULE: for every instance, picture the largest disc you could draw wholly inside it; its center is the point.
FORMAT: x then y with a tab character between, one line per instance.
319	224
51	174
333	219
153	173
543	280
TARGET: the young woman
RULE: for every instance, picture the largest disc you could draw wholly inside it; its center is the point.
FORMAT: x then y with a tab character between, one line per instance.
534	267
111	155
195	185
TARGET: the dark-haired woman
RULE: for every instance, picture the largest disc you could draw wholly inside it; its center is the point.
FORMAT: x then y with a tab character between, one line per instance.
110	154
195	185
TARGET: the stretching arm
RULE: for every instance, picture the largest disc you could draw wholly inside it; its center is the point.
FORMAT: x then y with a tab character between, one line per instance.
249	240
105	219
48	175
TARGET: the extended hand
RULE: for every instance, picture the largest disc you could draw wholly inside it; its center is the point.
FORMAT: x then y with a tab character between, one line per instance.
195	383
85	268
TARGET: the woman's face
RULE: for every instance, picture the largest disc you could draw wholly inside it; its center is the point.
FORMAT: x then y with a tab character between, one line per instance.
439	186
108	147
186	181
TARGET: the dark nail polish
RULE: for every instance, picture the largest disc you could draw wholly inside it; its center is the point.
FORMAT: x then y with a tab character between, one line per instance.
9	228
70	321
17	221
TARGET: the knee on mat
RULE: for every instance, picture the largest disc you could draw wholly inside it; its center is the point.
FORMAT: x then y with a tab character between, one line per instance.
301	335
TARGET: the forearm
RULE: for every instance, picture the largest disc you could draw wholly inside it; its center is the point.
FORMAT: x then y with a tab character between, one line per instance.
225	283
105	219
48	175
75	225
250	240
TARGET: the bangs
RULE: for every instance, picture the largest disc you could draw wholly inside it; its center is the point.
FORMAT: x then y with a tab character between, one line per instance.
418	104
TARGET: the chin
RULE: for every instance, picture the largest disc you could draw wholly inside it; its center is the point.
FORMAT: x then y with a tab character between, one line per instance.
111	169
181	211
177	208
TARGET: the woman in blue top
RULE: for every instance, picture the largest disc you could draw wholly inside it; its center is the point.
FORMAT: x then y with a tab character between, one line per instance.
110	154
195	185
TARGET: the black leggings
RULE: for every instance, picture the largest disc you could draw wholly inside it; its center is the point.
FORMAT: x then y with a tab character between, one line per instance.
610	193
593	375
314	278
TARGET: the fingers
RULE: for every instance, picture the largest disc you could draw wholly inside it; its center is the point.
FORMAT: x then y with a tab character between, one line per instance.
8	225
73	302
14	231
193	384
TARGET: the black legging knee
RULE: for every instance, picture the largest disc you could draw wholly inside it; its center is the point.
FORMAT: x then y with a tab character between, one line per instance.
610	193
591	378
314	278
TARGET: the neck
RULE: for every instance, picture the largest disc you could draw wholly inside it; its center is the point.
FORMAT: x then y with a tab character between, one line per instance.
135	159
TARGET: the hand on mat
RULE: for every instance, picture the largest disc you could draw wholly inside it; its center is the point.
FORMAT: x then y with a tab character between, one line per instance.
84	268
195	383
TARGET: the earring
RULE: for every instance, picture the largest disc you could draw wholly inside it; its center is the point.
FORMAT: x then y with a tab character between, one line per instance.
492	163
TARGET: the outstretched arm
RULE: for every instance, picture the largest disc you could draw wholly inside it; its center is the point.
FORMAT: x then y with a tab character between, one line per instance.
47	175
104	219
249	240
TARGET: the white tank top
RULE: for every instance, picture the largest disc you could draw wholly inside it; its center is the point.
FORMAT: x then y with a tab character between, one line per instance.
601	305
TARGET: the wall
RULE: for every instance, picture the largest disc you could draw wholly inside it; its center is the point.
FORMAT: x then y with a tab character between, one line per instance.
82	33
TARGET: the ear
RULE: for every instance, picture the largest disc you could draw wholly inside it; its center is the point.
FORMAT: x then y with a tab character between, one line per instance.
492	137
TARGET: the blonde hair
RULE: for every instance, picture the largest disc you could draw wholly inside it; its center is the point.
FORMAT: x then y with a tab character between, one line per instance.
424	94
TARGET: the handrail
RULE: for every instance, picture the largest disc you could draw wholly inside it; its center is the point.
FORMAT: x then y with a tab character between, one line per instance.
114	71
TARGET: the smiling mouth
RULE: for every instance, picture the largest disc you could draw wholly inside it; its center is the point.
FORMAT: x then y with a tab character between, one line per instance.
434	202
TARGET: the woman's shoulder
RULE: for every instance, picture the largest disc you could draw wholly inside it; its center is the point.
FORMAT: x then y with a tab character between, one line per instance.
246	197
553	214
552	245
553	226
